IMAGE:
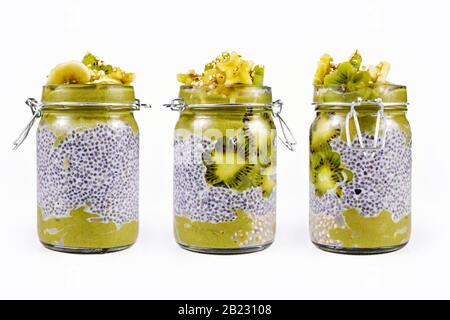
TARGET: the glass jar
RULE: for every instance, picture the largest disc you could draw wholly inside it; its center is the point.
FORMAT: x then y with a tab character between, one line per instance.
360	170
87	167
224	169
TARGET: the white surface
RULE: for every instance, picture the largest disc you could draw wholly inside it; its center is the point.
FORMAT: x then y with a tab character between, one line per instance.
157	40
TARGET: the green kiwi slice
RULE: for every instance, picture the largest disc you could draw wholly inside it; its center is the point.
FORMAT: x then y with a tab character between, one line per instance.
327	172
227	166
322	132
258	75
349	76
245	160
355	60
268	181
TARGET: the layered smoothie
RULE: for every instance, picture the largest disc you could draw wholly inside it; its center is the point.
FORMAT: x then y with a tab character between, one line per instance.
88	159
360	172
225	159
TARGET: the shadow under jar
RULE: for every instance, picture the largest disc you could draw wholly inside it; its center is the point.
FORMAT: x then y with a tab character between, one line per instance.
88	168
360	170
224	169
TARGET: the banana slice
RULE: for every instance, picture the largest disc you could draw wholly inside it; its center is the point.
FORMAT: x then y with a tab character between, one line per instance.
71	72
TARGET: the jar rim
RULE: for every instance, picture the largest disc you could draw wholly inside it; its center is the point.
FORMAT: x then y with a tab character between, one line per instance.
339	95
362	108
229	108
86	85
224	96
377	85
225	86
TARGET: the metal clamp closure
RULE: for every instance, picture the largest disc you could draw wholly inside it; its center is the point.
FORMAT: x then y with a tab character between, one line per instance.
380	125
36	110
35	107
137	105
288	138
176	105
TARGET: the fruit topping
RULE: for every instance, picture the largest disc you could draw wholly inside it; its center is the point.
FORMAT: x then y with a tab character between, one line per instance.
350	74
91	70
349	80
227	69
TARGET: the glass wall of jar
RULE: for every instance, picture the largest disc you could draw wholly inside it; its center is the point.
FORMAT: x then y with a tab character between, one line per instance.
87	167
360	170
224	169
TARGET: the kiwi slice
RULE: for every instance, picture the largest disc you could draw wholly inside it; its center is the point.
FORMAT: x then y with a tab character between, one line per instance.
267	186
94	63
327	172
356	60
244	160
258	144
322	132
350	80
348	76
258	75
268	181
260	139
103	73
342	75
227	166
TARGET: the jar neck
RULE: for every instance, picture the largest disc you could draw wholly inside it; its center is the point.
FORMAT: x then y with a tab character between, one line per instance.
87	96
208	110
365	109
88	107
85	110
237	94
386	93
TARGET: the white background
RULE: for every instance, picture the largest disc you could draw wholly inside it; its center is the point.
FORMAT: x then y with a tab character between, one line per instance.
157	40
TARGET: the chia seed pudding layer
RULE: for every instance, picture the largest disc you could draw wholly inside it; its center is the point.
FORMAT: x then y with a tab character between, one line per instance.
198	201
96	168
381	179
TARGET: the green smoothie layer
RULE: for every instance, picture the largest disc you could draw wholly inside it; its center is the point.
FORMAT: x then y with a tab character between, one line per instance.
371	232
82	229
213	235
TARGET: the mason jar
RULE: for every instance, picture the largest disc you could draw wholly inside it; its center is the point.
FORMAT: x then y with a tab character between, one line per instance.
224	179
87	167
360	170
